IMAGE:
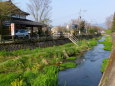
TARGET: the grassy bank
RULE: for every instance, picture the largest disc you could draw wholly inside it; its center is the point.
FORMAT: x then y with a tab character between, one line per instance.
107	43
107	46
108	31
104	64
67	65
39	67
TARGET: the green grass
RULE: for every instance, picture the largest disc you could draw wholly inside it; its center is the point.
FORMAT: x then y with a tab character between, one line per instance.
104	65
39	67
6	79
108	31
48	78
107	43
71	58
107	46
68	65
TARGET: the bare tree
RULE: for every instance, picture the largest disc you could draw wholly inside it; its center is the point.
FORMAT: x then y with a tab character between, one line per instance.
76	21
113	24
40	10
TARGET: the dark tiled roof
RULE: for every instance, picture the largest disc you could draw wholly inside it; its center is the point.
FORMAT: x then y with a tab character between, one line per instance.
26	22
17	10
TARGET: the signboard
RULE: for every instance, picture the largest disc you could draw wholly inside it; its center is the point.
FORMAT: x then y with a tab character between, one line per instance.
12	29
6	23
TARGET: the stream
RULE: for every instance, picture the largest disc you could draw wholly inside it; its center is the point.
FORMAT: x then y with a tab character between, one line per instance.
87	73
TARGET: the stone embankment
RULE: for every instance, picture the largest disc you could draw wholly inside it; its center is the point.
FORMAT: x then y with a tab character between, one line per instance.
29	45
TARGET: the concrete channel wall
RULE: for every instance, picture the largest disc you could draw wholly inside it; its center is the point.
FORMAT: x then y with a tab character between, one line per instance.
108	78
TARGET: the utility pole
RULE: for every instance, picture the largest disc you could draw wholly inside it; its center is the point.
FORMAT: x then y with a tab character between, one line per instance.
81	12
80	18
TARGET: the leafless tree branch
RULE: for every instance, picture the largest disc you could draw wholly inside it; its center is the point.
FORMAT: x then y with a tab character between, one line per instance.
40	10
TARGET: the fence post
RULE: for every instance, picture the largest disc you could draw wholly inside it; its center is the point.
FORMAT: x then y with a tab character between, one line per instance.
0	38
13	38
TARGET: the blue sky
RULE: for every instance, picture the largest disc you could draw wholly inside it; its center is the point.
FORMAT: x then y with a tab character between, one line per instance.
63	11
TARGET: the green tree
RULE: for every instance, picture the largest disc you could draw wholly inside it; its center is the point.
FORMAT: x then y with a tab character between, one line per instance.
82	26
113	24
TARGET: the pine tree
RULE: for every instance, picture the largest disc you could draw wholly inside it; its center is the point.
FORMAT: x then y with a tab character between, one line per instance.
113	24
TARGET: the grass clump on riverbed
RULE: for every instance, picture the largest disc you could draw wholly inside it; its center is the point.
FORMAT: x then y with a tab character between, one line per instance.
67	65
104	64
39	67
107	46
107	43
49	77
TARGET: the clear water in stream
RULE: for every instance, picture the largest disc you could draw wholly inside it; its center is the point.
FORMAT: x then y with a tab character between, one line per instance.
88	72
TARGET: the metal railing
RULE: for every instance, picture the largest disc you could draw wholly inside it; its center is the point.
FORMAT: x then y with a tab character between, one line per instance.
71	37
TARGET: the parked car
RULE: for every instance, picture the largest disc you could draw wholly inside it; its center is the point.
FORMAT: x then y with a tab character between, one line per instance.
22	33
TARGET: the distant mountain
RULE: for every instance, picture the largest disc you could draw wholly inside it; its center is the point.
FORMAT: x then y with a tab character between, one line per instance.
101	25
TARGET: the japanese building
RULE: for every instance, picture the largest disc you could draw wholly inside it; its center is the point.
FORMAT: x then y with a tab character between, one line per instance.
19	21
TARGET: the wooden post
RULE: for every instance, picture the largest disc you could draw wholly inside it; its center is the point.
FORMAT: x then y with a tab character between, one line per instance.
13	38
1	28
32	31
0	38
